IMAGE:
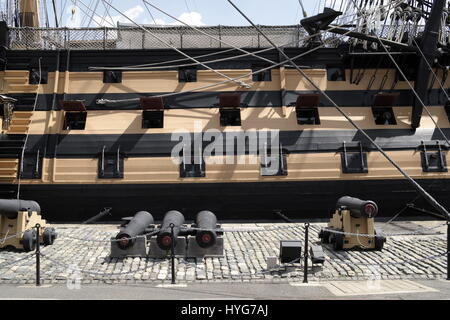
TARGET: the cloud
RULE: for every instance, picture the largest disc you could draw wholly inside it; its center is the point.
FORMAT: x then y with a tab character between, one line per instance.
133	13
192	18
75	15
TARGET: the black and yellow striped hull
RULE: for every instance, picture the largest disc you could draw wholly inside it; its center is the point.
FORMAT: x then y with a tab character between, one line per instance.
69	188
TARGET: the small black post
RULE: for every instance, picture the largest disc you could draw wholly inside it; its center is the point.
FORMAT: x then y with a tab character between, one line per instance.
448	250
172	251
38	256
305	270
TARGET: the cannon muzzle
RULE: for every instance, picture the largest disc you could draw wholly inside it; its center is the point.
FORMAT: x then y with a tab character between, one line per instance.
207	222
135	227
11	207
164	238
357	207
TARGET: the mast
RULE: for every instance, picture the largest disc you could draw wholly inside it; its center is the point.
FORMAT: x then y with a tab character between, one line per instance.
29	13
429	49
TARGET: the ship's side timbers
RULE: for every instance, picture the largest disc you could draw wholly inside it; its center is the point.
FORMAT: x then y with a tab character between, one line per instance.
114	162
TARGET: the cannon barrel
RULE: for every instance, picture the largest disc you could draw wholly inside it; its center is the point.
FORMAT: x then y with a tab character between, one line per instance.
207	221
11	207
357	207
135	227
164	238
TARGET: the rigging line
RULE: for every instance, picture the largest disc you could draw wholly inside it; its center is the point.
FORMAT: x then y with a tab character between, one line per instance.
430	199
104	101
177	60
150	13
107	11
412	88
90	10
431	69
46	14
408	203
208	35
79	1
182	65
210	54
303	9
55	13
28	131
93	12
103	18
241	83
87	15
188	9
62	11
200	56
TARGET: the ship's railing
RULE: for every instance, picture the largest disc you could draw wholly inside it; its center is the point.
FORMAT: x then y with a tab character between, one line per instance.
131	37
125	37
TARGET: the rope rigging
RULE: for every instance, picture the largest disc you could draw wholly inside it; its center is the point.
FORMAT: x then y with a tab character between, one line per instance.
143	66
105	101
240	83
419	188
207	34
410	85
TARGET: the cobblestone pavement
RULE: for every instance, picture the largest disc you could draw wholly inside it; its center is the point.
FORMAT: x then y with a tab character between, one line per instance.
246	250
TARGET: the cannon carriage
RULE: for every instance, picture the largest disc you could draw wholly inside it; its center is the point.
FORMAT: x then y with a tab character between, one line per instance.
18	219
352	226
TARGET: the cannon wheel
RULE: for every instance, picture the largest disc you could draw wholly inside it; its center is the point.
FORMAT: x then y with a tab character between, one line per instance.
379	242
338	243
29	240
49	236
324	236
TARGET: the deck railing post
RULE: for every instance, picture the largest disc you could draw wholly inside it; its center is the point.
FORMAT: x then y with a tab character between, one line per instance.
172	252
305	270
38	256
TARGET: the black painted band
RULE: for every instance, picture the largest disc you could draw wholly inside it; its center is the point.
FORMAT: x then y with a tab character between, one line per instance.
161	144
257	99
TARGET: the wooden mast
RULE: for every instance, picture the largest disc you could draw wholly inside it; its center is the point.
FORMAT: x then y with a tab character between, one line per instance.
29	13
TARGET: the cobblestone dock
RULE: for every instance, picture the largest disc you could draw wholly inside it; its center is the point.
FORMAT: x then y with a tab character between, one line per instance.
81	253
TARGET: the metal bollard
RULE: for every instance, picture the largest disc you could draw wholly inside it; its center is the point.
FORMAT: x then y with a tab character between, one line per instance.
305	270
448	250
38	256
172	249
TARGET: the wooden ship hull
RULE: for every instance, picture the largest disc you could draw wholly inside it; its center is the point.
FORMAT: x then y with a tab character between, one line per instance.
113	159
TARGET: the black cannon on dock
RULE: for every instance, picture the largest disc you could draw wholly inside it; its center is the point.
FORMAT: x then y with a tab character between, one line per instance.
137	226
206	223
206	236
358	208
164	238
352	225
